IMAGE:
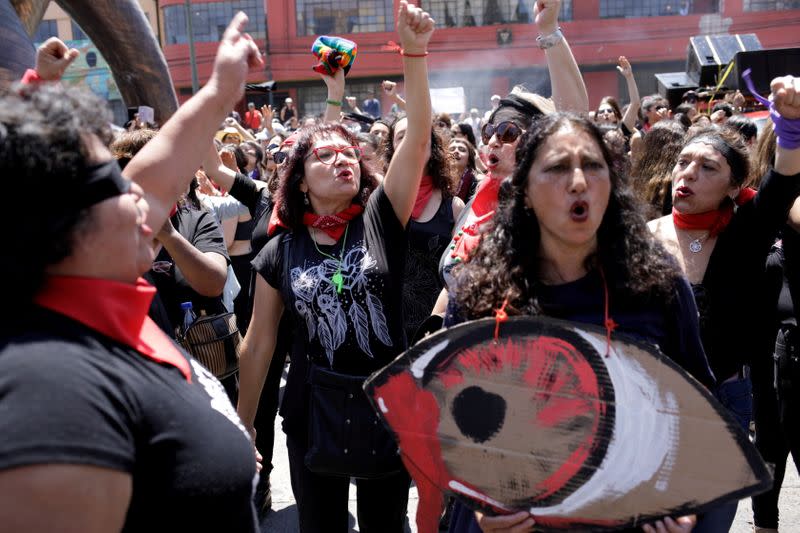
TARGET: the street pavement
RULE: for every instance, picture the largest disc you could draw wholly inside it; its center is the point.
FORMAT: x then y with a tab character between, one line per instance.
283	518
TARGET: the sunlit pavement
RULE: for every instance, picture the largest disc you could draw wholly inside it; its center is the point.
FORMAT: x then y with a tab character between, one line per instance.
283	518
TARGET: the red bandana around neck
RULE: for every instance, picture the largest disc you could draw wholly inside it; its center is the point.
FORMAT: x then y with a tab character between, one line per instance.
333	225
117	310
481	212
424	194
714	221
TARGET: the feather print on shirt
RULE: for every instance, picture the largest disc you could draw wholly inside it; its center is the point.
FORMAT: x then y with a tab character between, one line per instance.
328	314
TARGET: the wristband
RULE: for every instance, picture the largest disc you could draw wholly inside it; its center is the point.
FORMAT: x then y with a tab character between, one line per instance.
331	101
394	47
31	76
787	131
550	40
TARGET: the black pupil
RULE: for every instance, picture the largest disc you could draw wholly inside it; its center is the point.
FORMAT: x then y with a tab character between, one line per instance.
473	400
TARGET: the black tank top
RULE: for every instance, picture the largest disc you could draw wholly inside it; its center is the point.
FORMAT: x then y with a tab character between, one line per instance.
422	284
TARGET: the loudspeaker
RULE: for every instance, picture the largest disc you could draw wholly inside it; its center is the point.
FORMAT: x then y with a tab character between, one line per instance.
708	55
766	65
672	85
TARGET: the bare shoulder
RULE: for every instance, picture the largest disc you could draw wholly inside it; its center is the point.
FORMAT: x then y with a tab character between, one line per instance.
662	227
458	207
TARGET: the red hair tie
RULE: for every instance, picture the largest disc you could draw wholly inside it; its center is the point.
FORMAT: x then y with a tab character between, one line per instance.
500	315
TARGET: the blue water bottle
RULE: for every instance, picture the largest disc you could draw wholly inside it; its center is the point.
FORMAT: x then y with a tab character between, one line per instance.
188	317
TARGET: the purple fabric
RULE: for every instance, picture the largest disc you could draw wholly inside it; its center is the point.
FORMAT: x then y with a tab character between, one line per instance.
787	130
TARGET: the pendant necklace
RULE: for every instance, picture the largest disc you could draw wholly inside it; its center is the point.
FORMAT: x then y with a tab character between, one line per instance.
337	279
697	245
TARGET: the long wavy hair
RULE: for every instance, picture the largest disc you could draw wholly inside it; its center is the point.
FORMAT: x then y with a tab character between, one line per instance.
439	167
289	196
652	172
507	262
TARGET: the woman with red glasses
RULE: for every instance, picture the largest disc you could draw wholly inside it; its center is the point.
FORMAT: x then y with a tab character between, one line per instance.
501	134
337	271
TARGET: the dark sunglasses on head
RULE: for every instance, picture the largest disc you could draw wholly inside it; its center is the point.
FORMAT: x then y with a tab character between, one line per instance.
507	132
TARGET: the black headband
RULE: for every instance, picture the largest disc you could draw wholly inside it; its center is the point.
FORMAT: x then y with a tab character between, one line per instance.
102	182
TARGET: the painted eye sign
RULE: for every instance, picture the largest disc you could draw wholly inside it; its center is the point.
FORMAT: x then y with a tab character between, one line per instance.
539	420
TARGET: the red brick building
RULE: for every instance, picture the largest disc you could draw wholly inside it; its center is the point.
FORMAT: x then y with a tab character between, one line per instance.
484	46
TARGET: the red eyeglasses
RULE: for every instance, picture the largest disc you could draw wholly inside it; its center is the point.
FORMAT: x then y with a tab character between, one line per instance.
328	155
507	132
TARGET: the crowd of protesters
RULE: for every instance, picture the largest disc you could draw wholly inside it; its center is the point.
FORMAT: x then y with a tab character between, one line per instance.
339	240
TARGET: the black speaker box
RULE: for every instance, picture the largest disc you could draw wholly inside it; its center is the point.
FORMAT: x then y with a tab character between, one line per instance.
709	55
672	85
765	65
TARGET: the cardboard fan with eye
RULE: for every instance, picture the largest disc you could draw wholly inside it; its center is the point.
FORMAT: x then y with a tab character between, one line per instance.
541	419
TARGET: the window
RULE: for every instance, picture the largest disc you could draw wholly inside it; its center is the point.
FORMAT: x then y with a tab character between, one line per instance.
77	32
210	20
770	5
458	13
46	29
335	17
655	8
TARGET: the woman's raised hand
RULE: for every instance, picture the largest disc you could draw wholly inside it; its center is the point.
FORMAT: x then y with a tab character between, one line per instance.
335	84
786	95
545	15
624	67
53	57
414	27
236	54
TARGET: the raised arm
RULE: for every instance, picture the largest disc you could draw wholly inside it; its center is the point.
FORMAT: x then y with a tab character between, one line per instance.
233	123
629	119
335	83
390	88
166	164
415	28
566	82
786	96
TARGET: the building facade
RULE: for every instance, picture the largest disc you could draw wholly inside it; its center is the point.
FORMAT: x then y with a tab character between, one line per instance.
482	46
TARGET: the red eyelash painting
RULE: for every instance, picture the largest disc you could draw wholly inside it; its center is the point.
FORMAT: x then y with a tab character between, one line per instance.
539	419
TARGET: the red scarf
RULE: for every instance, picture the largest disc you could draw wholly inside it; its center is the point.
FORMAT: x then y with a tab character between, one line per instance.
714	221
481	212
424	193
333	225
116	310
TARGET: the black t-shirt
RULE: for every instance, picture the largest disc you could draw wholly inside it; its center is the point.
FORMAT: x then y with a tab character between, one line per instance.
70	395
427	242
202	230
730	294
356	331
260	205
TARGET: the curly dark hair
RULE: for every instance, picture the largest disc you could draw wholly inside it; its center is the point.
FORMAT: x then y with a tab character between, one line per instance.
506	264
289	196
44	156
651	175
439	167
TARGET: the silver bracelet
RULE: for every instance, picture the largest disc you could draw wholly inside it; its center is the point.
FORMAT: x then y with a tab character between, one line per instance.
550	40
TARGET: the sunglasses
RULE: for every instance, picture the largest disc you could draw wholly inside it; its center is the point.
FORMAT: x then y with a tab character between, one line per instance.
507	132
328	155
607	111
